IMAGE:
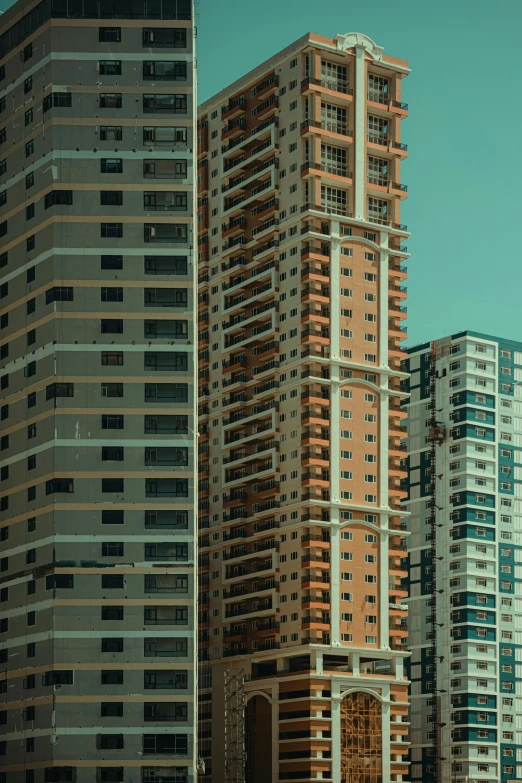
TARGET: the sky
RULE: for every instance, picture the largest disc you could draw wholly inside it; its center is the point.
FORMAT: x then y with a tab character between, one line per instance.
464	171
464	136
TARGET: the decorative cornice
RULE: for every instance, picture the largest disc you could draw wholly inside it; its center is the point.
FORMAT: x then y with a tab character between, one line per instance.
352	40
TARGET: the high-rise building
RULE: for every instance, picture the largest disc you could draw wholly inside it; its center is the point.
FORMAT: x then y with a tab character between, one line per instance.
465	610
97	575
301	301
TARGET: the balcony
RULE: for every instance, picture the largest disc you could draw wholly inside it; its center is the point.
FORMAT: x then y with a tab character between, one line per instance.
335	85
234	128
267	625
339	128
235	633
267	86
337	171
270	104
241	610
388	184
234	361
233	109
314	539
239	591
382	219
318	579
329	209
236	650
384	140
239	532
318	623
377	96
237	552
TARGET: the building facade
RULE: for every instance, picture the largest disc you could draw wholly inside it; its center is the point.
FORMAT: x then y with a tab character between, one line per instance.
301	301
464	570
97	345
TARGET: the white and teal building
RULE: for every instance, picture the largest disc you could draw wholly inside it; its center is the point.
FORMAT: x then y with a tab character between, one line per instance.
477	598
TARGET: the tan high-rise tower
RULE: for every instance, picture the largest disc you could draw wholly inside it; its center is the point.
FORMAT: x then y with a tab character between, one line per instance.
301	301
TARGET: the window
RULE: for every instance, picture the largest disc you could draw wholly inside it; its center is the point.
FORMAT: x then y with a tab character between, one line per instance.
111	709
112	421
109	67
167	136
112	198
169	38
165	70
165	104
112	613
111	294
109	34
111	230
112	485
111	166
112	581
59	485
111	133
110	100
58	197
112	358
57	99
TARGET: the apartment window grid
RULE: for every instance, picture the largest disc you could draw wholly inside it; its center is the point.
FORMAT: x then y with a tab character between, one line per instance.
60	303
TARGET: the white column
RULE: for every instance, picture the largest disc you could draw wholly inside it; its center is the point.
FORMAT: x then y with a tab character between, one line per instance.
335	417
383	363
383	444
386	766
335	292
336	734
384	598
275	731
359	132
335	597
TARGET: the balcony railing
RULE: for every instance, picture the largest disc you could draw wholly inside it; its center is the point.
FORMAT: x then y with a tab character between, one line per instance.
240	102
329	84
382	219
328	125
329	168
384	140
383	97
375	179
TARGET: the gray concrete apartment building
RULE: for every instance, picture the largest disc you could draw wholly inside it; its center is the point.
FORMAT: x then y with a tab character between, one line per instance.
97	342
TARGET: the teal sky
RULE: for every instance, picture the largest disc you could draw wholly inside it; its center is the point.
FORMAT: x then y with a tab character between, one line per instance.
464	135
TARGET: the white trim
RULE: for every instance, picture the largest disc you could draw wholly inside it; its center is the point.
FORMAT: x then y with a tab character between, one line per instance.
359	132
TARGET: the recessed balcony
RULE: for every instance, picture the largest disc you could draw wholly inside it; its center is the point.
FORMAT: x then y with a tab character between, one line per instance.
331	85
385	101
234	128
340	129
381	184
233	227
310	168
385	140
233	109
270	84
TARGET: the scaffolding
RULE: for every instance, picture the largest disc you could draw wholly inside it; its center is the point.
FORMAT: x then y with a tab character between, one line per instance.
235	748
436	436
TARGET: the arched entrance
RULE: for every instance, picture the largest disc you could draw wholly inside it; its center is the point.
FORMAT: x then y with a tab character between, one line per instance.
361	739
258	740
